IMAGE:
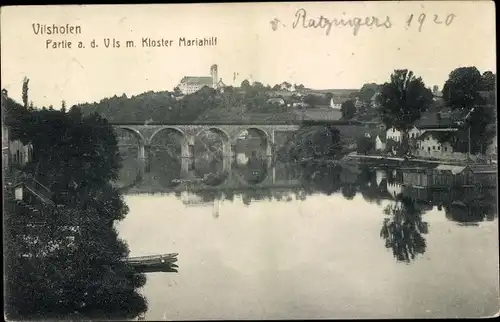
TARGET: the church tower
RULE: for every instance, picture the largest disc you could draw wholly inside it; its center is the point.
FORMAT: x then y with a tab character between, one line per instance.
213	73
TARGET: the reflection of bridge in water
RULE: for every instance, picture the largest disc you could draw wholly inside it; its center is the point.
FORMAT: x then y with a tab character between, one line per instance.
231	178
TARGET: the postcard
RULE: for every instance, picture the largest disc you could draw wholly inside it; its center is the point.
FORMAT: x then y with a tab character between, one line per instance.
300	160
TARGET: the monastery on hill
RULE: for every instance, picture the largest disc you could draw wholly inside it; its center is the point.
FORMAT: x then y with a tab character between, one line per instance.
192	84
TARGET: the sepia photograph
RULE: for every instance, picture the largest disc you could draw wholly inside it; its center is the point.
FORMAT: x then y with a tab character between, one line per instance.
250	161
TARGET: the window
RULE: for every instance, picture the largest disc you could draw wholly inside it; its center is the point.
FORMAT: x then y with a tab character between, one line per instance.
445	148
429	149
439	147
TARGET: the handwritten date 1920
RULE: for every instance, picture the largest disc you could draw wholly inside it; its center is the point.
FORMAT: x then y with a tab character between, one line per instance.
448	20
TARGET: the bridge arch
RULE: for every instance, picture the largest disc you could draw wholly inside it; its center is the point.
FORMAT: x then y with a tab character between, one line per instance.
226	139
184	140
140	138
264	135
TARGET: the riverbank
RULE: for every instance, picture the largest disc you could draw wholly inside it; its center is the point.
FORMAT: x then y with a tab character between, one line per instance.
416	160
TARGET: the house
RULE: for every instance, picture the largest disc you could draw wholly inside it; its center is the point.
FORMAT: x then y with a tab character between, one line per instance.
445	175
20	154
417	178
14	152
335	104
394	134
425	136
277	101
484	175
380	141
429	146
5	147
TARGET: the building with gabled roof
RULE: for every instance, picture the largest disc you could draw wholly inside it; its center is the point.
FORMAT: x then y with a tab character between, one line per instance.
192	84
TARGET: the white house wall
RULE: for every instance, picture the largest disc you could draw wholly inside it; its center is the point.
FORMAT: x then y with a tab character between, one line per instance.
393	134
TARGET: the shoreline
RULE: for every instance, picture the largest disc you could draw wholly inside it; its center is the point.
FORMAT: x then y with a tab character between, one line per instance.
401	160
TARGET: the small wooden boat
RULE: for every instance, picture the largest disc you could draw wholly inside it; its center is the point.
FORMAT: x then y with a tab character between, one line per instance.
152	259
459	203
196	180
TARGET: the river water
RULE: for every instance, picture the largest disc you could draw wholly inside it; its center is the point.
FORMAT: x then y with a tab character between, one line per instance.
310	244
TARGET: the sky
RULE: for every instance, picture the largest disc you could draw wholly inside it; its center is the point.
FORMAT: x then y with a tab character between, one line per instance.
246	44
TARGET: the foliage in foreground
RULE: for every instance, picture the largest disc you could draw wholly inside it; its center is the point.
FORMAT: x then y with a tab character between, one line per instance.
68	258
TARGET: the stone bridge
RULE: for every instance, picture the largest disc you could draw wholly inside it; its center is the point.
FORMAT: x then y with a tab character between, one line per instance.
188	132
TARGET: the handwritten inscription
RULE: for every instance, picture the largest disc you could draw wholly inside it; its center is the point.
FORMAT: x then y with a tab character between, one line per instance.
448	20
303	20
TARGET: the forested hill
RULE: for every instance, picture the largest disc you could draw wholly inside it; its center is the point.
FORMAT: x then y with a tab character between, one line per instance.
243	104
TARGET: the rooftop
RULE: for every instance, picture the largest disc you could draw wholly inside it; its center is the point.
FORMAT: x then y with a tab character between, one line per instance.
440	118
197	80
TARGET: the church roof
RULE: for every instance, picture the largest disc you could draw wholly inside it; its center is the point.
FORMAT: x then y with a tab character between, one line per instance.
197	80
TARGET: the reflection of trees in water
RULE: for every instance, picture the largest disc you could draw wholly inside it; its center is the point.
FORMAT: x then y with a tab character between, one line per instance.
129	171
255	170
209	158
165	157
212	170
403	229
368	186
349	191
323	178
165	166
477	206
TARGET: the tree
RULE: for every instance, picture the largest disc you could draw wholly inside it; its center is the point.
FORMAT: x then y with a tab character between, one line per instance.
461	90
403	100
177	91
63	106
245	84
470	92
311	100
313	142
25	91
367	91
488	81
75	113
258	86
348	109
276	87
365	145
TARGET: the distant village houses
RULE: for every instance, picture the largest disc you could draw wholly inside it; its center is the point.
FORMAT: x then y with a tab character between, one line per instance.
14	152
425	137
